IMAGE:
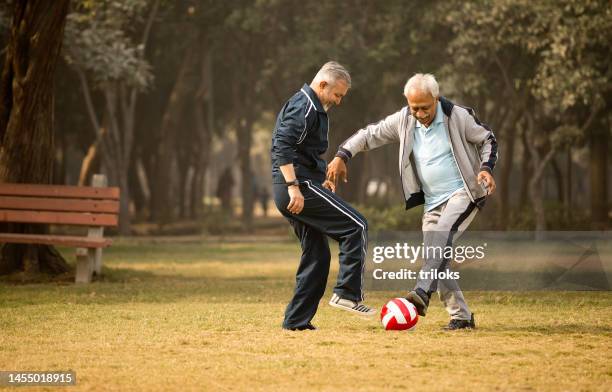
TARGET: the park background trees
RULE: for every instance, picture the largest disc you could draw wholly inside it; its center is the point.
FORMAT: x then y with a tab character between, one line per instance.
164	96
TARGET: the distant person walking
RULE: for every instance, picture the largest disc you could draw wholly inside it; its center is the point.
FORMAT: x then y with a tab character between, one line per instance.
225	185
264	197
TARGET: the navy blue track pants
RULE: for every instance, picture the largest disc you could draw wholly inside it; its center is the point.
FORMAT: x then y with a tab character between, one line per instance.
324	215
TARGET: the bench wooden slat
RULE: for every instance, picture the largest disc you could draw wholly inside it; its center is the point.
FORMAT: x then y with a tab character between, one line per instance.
111	193
56	204
96	206
58	218
46	239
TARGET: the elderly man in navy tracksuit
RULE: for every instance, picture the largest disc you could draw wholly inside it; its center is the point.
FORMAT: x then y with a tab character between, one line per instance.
307	200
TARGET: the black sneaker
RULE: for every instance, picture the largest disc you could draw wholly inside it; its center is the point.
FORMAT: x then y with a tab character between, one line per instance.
419	302
307	327
461	324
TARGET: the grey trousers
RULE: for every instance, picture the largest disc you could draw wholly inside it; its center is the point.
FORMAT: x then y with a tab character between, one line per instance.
441	228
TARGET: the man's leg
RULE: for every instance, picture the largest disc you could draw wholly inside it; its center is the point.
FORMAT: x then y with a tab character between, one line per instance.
327	214
311	276
449	294
347	226
441	227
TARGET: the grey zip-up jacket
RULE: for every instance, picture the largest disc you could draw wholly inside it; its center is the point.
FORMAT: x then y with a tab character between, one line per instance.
473	145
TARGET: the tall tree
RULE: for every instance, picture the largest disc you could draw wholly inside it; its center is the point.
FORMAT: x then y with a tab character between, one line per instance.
165	191
108	52
552	61
250	30
180	131
26	117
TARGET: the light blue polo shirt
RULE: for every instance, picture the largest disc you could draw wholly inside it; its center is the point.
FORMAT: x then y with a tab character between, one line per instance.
435	164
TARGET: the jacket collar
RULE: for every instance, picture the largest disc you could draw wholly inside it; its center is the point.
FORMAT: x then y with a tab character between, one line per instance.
447	106
312	97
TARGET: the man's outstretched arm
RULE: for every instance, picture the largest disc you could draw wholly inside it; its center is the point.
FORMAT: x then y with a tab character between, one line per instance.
373	136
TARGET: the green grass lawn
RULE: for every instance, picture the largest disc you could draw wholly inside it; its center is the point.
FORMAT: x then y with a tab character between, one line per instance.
206	316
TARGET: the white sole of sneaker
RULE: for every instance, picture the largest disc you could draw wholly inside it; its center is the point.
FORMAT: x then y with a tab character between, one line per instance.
356	312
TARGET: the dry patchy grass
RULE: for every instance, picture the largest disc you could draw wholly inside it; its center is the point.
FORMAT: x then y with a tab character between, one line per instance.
207	317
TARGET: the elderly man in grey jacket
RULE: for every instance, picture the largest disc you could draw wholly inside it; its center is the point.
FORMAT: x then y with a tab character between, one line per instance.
446	160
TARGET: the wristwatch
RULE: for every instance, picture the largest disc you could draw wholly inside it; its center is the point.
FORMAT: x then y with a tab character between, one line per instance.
294	182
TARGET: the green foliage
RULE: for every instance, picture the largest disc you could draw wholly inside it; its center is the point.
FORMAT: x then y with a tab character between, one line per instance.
506	58
100	40
396	218
393	218
524	218
566	135
575	54
557	50
218	222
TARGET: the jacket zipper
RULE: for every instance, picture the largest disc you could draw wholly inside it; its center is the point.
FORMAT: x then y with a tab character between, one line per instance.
402	166
450	142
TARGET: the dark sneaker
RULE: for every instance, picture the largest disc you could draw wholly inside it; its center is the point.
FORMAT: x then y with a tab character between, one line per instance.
307	327
461	324
351	306
419	302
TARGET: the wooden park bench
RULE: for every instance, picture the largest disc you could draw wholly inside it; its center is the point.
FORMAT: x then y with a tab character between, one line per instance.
96	207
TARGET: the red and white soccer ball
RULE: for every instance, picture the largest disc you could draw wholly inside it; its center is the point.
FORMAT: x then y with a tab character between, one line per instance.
399	314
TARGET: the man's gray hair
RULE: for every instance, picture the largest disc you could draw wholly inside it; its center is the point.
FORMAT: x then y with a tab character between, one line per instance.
423	82
331	72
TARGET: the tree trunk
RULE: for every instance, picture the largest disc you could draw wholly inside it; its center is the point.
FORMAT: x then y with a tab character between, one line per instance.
119	122
537	202
536	184
183	88
116	135
558	178
203	158
26	119
245	137
197	194
245	99
525	171
60	170
504	173
204	126
598	176
139	192
177	202
204	129
567	199
124	202
90	165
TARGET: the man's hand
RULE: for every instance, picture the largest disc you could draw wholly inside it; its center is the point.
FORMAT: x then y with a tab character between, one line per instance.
336	170
329	185
296	203
486	178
